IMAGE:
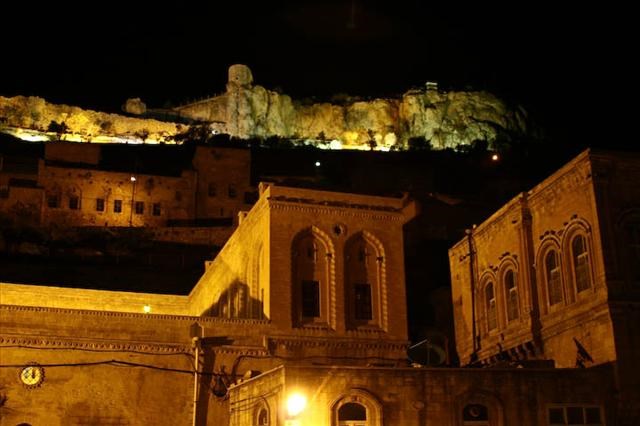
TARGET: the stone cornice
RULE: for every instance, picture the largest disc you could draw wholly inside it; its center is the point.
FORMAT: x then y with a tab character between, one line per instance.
134	315
335	342
346	210
94	345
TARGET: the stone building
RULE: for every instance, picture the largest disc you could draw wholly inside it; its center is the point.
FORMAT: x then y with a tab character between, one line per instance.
305	303
95	185
554	275
308	277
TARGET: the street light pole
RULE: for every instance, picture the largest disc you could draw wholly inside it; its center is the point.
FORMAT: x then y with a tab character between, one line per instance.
133	196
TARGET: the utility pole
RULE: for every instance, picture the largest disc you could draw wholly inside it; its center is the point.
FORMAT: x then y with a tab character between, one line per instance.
472	284
197	333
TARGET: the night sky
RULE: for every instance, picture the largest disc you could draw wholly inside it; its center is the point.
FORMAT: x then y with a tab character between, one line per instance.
571	68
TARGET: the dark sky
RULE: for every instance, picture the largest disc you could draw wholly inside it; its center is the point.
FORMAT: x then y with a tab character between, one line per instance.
571	68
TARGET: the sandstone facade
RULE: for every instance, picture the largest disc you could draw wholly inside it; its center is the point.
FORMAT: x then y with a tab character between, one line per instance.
308	296
248	304
553	275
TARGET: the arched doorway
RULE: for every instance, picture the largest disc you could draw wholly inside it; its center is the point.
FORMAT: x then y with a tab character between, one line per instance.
357	408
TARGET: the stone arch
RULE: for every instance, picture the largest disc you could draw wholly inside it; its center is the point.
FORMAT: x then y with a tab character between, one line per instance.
511	290
365	277
313	277
482	397
261	414
578	267
549	274
483	304
371	404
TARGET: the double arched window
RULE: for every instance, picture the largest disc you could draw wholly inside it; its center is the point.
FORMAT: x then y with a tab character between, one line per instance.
499	300
565	265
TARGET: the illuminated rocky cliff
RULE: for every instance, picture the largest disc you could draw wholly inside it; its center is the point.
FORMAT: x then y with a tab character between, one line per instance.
446	119
33	118
245	110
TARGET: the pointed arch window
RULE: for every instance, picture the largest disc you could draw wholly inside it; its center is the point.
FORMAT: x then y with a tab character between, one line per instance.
581	263
511	290
262	416
312	262
553	277
363	263
490	306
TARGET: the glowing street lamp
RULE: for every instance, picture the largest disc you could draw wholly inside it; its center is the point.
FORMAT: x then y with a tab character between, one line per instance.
296	404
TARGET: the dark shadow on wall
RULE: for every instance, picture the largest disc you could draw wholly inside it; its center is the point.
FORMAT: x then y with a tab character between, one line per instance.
236	302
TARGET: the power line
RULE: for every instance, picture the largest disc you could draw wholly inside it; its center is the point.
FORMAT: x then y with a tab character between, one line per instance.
95	350
117	363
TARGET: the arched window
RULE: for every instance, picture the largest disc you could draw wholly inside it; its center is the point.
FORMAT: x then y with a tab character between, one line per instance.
511	295
312	263
262	416
490	307
363	263
475	415
358	408
553	277
352	414
581	265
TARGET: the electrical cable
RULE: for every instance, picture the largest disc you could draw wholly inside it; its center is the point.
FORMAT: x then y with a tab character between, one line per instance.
116	363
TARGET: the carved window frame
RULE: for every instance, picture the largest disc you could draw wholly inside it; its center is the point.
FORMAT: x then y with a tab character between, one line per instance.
376	280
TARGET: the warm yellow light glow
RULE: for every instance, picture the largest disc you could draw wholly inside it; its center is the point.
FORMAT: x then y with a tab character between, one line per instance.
133	178
296	404
146	309
317	164
495	157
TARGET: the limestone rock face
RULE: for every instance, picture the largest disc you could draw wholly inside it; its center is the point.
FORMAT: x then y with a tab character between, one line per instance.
35	113
253	111
245	110
446	119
